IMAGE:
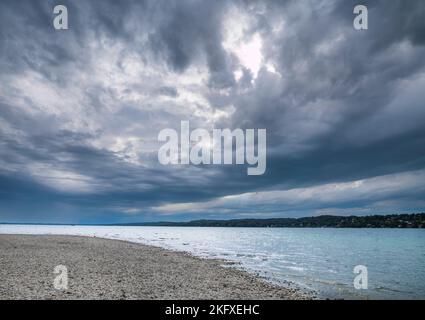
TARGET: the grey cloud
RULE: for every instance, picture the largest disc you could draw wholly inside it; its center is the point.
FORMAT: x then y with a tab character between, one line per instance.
341	105
168	91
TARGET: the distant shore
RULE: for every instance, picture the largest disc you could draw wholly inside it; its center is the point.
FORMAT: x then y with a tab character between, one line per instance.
392	221
410	221
112	269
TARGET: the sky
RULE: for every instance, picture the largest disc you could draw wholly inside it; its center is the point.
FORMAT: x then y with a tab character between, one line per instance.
81	109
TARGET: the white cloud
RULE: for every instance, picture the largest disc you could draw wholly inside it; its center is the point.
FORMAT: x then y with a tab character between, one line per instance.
310	198
62	180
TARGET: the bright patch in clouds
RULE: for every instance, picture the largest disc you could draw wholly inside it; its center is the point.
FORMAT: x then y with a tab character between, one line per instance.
248	49
249	54
62	180
310	198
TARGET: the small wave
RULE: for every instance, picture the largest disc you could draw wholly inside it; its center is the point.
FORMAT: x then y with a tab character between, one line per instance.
295	268
246	255
381	288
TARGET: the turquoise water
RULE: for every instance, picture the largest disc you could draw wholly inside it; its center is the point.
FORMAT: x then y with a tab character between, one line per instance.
316	259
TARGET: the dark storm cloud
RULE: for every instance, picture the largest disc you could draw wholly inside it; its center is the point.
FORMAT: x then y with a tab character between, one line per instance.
328	96
191	29
80	109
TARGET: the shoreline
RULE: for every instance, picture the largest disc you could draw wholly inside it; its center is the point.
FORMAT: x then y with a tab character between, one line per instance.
100	268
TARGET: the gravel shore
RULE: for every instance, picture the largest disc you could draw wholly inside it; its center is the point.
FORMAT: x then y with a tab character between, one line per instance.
112	269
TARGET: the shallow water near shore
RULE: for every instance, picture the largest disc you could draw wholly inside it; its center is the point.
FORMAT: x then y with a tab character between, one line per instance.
316	259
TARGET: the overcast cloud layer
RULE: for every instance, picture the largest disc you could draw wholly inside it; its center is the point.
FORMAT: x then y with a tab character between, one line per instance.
80	110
